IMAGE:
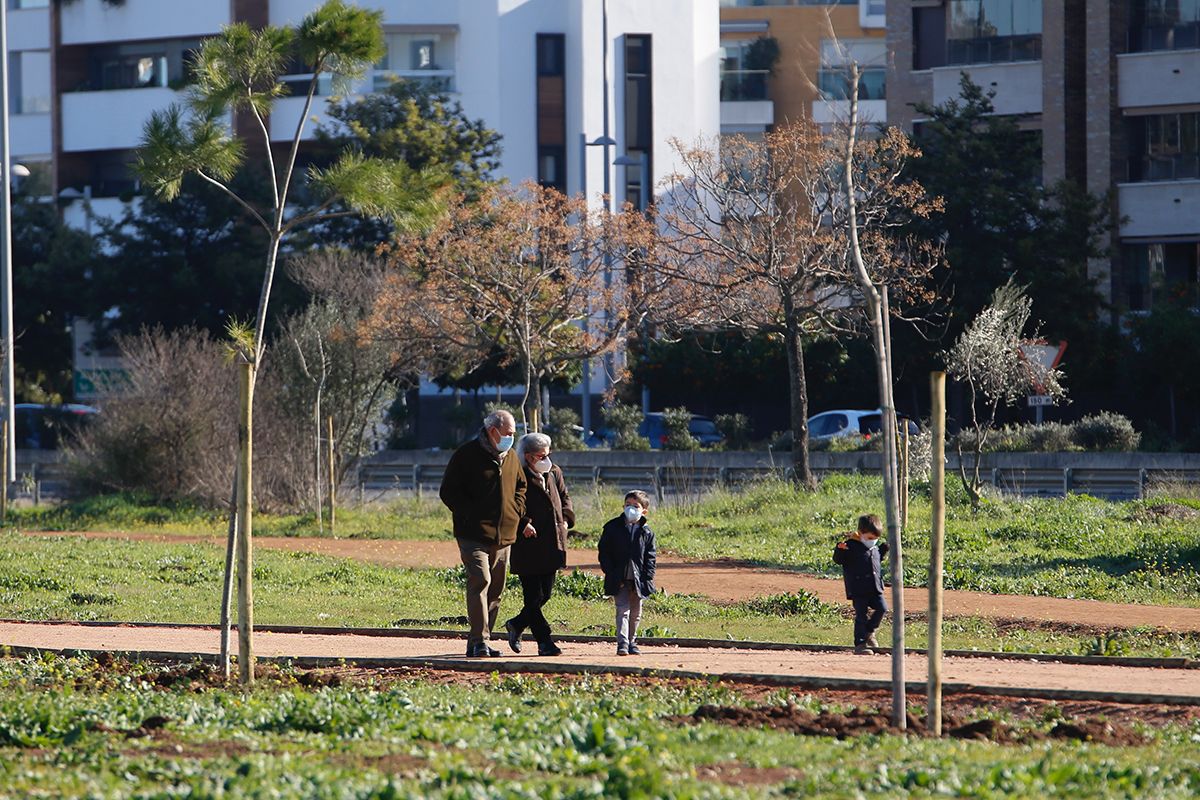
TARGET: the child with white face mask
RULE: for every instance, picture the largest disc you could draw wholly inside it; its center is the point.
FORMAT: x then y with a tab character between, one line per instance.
860	556
627	557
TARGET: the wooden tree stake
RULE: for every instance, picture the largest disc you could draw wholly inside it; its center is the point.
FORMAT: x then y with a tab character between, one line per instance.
332	474
937	479
244	527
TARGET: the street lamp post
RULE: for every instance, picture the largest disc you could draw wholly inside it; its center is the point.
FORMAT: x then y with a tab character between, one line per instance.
643	164
584	144
6	282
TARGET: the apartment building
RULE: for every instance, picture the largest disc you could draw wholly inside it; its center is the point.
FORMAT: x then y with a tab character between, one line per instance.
29	98
534	70
807	79
553	77
1111	88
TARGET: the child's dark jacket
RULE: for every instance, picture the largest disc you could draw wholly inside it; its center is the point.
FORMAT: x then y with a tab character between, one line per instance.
860	567
617	548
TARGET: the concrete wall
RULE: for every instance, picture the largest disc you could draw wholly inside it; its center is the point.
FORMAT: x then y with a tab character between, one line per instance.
1159	209
88	21
1158	79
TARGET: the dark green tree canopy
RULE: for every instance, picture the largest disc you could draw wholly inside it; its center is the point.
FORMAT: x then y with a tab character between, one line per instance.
421	125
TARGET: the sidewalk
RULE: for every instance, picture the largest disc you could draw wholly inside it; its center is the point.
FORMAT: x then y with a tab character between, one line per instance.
838	669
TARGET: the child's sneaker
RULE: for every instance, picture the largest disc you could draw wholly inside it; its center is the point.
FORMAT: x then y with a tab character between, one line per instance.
871	641
622	650
634	651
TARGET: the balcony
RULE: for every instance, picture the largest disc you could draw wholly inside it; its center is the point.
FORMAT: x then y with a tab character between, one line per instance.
92	21
1018	85
29	29
1159	209
286	113
1164	78
29	135
831	112
745	107
109	120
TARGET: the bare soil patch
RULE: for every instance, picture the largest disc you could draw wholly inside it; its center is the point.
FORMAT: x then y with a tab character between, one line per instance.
861	721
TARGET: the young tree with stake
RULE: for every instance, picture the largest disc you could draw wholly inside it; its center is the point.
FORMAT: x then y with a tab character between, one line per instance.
238	74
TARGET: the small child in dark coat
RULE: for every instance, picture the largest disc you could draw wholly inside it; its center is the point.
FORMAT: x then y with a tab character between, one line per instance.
627	558
860	554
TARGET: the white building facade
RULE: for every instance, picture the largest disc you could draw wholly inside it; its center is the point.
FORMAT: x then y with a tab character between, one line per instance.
533	70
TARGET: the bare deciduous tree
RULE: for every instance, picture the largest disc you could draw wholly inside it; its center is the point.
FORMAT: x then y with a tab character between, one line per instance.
525	270
988	360
750	245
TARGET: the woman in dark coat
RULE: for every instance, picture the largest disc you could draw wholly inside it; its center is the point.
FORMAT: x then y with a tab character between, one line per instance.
541	546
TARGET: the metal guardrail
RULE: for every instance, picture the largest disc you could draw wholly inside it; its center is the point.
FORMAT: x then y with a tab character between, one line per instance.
1115	476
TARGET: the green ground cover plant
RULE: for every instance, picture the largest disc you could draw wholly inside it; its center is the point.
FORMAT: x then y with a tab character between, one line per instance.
78	728
71	578
1145	551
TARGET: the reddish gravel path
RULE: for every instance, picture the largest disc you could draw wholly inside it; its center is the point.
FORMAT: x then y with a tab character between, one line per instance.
864	671
728	581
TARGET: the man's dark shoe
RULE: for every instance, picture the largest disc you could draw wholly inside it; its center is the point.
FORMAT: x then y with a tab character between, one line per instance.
549	649
481	650
622	650
863	650
634	651
514	636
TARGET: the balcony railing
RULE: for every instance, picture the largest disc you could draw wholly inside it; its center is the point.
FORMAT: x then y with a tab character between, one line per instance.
1176	36
1145	168
834	83
744	84
994	49
441	80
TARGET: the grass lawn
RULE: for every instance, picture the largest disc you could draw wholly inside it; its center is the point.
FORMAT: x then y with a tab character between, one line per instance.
1076	547
73	728
111	579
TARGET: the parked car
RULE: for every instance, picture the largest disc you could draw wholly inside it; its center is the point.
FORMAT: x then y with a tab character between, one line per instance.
702	429
827	425
47	427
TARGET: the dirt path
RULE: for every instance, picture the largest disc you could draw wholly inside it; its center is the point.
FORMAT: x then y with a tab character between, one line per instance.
864	671
731	581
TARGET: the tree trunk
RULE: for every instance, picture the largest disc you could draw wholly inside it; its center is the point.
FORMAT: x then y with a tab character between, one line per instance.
534	403
798	397
317	462
876	309
245	501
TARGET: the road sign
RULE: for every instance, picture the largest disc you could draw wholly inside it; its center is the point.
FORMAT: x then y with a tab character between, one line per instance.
1039	400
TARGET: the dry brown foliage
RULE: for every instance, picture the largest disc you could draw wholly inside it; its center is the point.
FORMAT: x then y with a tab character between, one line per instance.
527	270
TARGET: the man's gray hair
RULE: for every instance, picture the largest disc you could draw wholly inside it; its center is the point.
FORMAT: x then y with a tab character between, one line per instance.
532	442
498	418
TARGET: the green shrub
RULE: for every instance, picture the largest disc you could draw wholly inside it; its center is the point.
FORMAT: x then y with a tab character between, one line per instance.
584	585
736	428
676	424
800	603
623	420
561	428
1106	431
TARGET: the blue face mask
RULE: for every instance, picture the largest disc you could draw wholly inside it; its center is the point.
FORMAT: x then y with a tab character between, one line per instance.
506	443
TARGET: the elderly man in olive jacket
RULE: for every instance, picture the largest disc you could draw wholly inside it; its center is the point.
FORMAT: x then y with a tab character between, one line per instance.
484	488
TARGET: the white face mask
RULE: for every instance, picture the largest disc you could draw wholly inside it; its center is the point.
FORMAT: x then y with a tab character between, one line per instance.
633	513
542	465
869	542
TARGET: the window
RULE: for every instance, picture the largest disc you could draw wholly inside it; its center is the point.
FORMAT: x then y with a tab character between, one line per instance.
1163	147
929	37
551	111
639	112
740	78
827	424
1158	272
1164	25
426	56
833	79
29	82
133	72
993	31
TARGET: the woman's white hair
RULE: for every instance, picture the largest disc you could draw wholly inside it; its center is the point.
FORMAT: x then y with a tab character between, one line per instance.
532	441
